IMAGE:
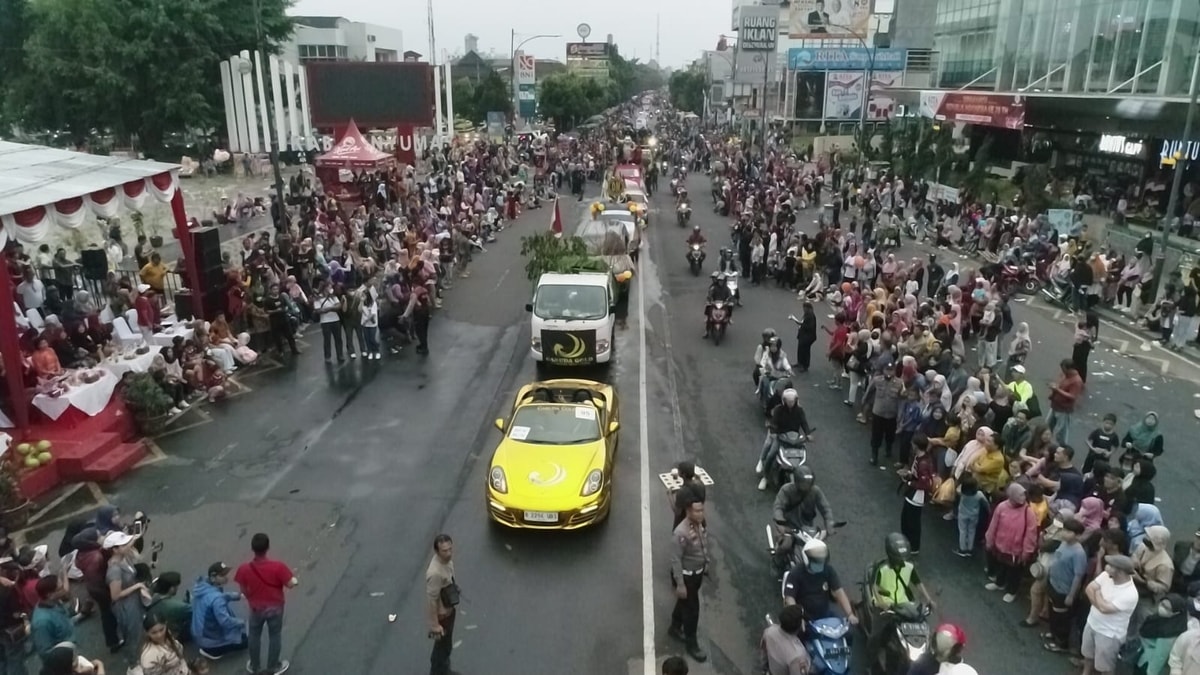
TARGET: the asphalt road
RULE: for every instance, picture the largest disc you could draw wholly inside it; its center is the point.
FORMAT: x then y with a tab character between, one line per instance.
353	469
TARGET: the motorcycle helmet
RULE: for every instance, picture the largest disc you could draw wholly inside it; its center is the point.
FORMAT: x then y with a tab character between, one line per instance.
773	345
815	554
696	228
767	334
803	477
960	669
897	548
947	643
790	395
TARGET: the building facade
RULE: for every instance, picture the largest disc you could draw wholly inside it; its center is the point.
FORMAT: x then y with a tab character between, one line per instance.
334	38
1108	47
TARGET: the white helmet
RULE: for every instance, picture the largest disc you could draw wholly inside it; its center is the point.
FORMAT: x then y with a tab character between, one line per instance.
957	669
790	395
815	549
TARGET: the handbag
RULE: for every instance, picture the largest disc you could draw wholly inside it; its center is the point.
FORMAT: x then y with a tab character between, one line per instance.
16	633
946	492
450	594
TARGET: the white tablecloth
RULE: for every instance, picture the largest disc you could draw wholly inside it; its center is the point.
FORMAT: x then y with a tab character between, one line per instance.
88	398
167	336
119	365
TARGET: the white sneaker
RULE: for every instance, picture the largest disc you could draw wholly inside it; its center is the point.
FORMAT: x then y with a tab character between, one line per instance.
378	356
1009	597
762	484
758	467
991	586
174	411
354	355
183	405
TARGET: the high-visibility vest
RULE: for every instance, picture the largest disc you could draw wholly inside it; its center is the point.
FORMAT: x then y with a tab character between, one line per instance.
892	588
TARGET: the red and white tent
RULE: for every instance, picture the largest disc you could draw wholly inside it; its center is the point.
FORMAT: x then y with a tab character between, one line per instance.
352	151
42	188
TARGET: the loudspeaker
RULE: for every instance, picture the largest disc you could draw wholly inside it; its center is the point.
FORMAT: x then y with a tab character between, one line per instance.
95	264
214	303
206	244
212	278
184	309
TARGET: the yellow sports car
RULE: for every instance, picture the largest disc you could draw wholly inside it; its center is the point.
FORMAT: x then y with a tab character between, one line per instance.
553	470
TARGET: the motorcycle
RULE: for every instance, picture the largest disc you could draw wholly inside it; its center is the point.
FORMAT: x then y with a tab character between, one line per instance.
731	282
792	453
718	321
683	215
909	639
1021	278
674	187
770	395
784	559
695	258
827	645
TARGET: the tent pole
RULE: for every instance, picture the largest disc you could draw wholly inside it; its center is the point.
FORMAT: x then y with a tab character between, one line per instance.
183	234
10	347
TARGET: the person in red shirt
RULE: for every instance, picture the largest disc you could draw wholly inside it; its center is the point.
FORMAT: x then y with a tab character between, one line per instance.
148	316
1064	395
263	582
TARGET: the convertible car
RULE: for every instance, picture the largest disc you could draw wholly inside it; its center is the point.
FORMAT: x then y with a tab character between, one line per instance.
553	469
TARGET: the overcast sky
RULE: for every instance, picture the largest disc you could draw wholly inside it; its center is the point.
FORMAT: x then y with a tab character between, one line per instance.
687	28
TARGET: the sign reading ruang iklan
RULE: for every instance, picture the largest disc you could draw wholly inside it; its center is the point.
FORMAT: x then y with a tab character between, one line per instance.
759	29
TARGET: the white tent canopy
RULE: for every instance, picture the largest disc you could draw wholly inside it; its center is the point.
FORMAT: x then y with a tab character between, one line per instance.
40	186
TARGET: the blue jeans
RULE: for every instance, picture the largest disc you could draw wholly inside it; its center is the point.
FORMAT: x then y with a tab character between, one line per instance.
273	619
769	448
370	336
967	527
1060	425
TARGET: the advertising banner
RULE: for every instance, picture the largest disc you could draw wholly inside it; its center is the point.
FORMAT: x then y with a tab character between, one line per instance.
587	50
1006	111
810	95
751	68
882	105
526	68
527	101
411	143
844	95
846	58
496	121
758	29
829	19
588	68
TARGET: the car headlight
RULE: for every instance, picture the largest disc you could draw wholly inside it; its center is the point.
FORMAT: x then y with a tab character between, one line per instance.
536	343
592	485
601	346
498	480
915	652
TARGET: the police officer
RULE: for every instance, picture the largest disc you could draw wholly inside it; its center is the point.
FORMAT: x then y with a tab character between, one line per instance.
690	492
689	558
895	583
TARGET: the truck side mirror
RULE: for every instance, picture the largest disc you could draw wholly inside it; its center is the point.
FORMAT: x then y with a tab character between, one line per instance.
529	307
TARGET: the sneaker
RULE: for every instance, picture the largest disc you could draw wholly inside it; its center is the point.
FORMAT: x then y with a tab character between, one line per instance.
758	467
183	405
282	667
354	355
948	516
991	586
212	657
1009	597
250	670
174	411
762	484
963	554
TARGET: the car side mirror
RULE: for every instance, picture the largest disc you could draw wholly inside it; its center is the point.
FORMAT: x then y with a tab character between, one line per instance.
529	307
500	423
613	427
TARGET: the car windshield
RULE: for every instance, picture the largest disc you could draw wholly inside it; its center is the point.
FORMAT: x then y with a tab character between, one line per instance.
555	424
571	302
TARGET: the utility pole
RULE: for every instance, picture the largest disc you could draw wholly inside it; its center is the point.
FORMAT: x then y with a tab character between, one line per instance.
657	43
279	202
1160	258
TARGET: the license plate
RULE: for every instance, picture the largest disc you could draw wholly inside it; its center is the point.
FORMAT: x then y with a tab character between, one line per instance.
541	517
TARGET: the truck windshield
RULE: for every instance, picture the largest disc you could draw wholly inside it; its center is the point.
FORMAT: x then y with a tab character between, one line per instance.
571	303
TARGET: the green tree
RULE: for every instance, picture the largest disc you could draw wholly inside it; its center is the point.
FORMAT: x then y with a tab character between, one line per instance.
1035	179
140	68
464	100
978	174
14	29
569	99
687	90
631	77
492	95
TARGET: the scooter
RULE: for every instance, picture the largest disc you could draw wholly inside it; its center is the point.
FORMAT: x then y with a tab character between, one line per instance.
909	639
718	321
683	215
783	560
791	454
827	645
695	258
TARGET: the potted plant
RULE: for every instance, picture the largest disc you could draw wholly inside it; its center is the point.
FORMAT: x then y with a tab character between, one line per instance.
147	402
156	238
14	507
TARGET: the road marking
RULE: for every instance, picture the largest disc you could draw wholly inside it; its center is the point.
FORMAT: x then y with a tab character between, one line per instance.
649	658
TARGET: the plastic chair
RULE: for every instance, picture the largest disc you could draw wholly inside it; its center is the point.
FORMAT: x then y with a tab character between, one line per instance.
106	316
125	335
131	318
35	319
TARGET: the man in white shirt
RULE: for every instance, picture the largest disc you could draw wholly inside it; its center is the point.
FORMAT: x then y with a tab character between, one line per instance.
31	290
1113	597
782	652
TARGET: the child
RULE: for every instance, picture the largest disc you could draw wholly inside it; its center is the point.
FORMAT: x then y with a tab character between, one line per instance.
972	507
1035	497
1101	442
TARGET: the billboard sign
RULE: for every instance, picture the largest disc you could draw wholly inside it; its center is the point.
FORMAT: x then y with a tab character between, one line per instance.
882	105
526	68
758	29
829	19
376	95
810	95
844	95
846	58
1005	111
587	50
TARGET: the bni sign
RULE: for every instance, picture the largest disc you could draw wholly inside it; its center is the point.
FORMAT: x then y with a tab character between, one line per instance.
759	29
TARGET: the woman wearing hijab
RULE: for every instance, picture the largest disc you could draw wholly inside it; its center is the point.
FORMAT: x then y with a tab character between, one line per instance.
1142	440
1018	349
1082	349
1138	485
1091	514
1011	541
806	336
1144	517
991	467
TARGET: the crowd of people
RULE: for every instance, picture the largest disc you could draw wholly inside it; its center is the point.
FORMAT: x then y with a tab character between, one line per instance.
931	359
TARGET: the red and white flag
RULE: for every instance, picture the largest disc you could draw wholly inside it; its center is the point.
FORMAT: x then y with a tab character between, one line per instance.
556	225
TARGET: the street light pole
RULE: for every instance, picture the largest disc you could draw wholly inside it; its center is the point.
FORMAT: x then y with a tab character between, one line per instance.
1160	259
268	93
